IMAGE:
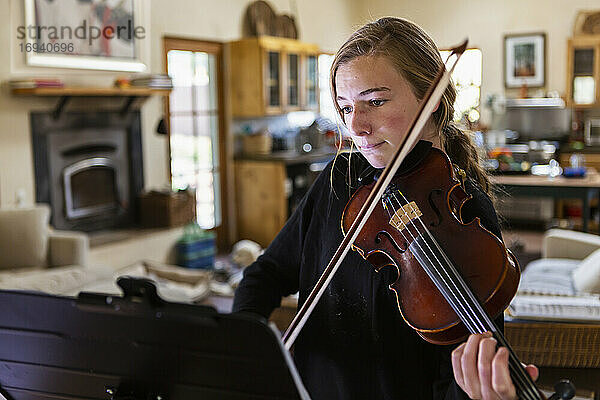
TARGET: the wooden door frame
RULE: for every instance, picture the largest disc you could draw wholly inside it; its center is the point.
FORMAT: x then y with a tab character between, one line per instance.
216	48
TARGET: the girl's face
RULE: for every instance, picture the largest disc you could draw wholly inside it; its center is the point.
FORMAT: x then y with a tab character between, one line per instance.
377	105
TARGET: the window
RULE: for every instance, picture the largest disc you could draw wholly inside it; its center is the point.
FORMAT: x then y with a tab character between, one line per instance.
196	126
326	107
467	79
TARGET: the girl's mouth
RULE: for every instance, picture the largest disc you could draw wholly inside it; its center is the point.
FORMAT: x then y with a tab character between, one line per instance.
371	146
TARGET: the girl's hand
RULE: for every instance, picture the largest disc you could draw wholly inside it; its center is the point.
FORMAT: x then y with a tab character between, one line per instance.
482	371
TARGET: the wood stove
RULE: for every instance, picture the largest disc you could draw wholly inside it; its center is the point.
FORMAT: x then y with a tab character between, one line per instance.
88	167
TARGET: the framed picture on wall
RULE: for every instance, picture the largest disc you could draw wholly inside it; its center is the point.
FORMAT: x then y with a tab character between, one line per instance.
525	60
89	34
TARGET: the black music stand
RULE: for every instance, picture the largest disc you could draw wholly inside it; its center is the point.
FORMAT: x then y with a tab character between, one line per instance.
137	347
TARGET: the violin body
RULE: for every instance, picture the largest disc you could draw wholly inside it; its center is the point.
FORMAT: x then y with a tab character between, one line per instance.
429	196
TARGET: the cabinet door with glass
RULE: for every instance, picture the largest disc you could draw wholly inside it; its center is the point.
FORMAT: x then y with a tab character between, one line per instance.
268	76
282	78
583	89
292	81
273	87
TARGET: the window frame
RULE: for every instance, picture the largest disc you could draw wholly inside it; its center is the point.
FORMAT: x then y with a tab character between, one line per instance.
216	48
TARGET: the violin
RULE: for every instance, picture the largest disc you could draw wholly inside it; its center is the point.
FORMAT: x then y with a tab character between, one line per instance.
417	228
452	275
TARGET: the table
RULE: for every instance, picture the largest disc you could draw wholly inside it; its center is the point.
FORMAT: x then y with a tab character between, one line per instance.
586	188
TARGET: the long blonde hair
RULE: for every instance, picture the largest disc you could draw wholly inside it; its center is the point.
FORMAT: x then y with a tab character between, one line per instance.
417	59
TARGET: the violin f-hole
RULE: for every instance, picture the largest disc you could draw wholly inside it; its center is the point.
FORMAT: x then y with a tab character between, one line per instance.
391	239
434	207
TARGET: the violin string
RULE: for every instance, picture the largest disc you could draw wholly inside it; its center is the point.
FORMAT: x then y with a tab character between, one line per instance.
408	230
526	384
418	244
450	283
519	372
467	319
456	305
523	382
473	326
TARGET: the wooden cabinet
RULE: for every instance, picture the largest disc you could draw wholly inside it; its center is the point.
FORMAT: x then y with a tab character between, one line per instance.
271	75
261	200
583	71
268	188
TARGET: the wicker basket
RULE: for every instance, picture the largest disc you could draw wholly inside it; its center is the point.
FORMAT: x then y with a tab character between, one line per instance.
257	144
163	210
555	344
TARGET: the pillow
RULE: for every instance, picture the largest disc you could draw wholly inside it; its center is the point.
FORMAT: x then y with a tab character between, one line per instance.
61	280
24	237
586	277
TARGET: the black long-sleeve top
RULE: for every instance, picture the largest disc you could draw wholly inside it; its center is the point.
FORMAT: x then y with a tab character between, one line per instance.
355	345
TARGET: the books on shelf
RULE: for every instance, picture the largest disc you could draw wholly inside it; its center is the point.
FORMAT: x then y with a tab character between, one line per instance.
157	81
30	83
150	81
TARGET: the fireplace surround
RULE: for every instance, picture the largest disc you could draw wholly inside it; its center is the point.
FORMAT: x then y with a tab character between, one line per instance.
88	167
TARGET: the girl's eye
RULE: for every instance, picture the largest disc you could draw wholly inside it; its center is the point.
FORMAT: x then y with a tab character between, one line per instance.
377	102
346	110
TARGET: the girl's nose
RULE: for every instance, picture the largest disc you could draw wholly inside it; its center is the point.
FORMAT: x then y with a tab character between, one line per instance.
359	123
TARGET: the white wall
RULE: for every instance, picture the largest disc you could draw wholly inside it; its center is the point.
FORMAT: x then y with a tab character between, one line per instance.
485	22
326	23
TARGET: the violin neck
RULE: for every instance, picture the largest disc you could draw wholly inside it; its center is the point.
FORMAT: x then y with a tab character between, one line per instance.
465	304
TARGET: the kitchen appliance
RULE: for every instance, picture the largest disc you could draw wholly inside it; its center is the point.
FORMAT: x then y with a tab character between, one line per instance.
592	131
533	118
309	139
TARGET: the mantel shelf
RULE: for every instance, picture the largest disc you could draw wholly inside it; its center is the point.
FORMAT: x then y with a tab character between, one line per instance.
65	93
90	91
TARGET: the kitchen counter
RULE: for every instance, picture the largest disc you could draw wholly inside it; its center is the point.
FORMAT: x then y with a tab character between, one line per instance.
291	156
591	179
586	188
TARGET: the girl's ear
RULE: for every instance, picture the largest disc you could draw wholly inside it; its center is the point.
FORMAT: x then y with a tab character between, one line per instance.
436	106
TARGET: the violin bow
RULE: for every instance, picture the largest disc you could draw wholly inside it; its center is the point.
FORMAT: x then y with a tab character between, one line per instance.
426	108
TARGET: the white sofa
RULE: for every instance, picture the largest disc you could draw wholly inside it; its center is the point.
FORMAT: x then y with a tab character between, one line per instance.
570	264
36	258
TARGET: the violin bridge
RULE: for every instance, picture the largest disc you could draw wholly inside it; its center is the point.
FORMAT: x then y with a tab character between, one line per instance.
405	215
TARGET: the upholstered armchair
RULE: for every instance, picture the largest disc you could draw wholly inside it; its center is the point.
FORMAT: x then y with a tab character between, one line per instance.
27	241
